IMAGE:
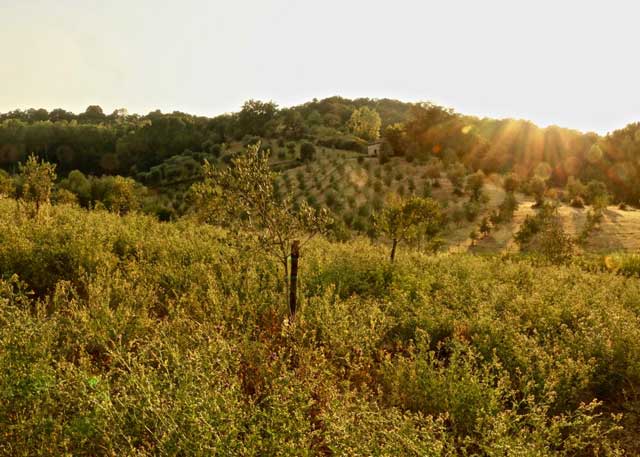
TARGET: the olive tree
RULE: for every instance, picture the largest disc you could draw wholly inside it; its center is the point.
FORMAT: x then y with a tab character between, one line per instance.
409	220
537	187
473	185
243	197
307	151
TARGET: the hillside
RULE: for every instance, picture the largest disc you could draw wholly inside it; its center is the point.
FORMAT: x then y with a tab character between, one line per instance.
309	311
164	152
355	187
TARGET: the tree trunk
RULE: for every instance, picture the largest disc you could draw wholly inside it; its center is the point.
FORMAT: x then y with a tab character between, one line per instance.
393	250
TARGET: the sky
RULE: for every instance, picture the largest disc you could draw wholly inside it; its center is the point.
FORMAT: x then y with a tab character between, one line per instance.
569	63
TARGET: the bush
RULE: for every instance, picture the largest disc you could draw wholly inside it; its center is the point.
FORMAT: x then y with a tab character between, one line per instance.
471	210
427	189
543	234
577	202
508	207
307	152
120	335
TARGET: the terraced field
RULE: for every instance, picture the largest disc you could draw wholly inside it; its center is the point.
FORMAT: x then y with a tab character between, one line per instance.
354	189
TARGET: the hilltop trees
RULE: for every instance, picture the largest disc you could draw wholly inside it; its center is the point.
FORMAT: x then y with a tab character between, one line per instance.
395	135
365	123
409	220
254	117
134	145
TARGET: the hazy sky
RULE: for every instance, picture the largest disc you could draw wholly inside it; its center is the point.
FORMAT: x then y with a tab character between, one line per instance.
570	63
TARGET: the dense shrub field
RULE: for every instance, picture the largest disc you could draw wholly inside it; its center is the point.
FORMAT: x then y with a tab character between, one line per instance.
121	335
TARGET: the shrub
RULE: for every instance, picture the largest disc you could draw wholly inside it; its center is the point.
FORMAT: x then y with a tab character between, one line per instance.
312	200
120	335
471	210
411	185
508	207
64	197
511	183
351	200
577	202
543	234
427	189
307	151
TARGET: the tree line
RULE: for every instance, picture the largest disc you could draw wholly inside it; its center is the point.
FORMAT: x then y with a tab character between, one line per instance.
159	145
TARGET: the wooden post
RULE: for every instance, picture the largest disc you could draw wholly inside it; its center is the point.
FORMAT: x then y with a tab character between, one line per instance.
293	281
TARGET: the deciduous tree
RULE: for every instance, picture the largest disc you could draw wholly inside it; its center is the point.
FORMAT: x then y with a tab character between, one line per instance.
365	123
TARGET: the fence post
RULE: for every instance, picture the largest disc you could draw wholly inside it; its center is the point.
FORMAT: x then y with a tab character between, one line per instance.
293	281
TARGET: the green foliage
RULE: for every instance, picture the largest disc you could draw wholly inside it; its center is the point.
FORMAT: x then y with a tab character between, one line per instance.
508	207
395	135
543	234
35	184
7	184
575	188
456	175
243	196
594	218
595	190
473	185
307	151
485	226
64	197
409	220
474	237
471	210
537	187
133	145
511	183
147	338
577	202
365	123
118	194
